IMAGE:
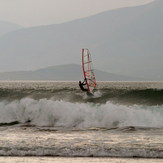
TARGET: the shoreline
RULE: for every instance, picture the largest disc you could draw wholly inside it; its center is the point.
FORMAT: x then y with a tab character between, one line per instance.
77	160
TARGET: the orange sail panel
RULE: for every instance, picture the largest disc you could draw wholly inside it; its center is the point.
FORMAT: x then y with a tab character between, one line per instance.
88	70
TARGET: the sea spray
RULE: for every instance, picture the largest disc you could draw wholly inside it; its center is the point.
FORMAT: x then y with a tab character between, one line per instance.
46	112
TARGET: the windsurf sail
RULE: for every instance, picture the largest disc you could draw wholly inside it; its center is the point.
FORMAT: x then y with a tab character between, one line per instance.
88	70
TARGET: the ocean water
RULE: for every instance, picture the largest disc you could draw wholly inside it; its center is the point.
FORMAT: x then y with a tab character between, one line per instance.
121	120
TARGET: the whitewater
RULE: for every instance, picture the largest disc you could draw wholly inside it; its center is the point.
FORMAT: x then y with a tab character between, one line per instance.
123	119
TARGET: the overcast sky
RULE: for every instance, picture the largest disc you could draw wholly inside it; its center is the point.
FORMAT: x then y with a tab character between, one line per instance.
43	12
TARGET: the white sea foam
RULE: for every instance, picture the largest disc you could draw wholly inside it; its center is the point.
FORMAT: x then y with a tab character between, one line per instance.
45	112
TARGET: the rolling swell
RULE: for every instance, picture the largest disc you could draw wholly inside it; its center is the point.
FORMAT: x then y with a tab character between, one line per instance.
141	97
121	96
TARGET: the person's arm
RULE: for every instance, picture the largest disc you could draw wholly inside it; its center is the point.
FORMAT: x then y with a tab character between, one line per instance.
84	82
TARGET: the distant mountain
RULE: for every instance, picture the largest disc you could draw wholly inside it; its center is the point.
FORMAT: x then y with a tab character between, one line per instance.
70	72
123	41
6	27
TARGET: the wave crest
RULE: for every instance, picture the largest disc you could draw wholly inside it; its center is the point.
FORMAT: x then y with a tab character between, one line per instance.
52	113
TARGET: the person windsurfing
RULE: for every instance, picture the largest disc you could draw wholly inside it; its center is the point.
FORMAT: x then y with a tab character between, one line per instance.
81	85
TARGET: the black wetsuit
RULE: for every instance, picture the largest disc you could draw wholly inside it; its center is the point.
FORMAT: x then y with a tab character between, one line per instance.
81	84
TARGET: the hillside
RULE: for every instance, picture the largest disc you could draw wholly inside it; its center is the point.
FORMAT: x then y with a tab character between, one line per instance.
70	72
6	27
123	41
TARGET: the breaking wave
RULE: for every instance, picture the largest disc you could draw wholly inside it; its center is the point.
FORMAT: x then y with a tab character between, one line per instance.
59	113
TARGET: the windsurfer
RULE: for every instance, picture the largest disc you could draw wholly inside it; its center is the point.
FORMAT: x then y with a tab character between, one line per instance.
81	85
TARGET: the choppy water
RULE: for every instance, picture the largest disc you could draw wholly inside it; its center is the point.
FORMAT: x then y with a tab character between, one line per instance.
123	119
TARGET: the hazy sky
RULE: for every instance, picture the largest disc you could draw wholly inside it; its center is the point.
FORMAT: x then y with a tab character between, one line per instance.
43	12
